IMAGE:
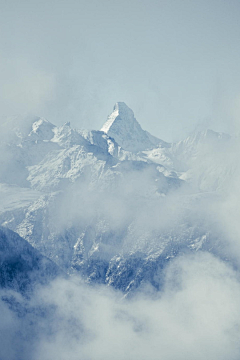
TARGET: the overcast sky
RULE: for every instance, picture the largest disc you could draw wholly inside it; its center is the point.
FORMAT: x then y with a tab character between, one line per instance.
175	63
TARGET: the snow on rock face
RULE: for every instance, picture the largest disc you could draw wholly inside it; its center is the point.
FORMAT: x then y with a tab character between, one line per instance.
42	129
126	131
66	137
60	167
102	140
17	129
123	111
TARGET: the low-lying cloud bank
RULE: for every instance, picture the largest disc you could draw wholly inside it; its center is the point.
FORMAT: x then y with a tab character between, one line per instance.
195	316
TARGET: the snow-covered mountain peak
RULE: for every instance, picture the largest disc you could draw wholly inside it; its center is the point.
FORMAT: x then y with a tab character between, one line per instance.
122	126
39	123
42	129
66	137
121	112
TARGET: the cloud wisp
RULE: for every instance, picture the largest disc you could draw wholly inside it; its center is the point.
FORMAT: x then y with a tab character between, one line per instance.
196	315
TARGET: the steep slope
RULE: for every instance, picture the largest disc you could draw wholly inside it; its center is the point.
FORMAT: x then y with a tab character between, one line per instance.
21	266
122	126
24	142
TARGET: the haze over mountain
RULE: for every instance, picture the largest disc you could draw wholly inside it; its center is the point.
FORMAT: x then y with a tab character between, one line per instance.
123	210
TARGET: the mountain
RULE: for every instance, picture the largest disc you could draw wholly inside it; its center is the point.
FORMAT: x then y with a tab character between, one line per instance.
122	126
69	178
114	205
21	266
98	228
210	159
199	141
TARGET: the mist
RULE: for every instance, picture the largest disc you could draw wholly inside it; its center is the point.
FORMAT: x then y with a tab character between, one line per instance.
186	305
189	310
195	314
147	243
194	310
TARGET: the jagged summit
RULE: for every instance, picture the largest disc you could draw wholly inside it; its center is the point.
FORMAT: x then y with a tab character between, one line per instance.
126	131
122	107
121	112
41	129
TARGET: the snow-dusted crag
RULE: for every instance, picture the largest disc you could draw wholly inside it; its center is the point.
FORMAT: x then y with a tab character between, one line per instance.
122	126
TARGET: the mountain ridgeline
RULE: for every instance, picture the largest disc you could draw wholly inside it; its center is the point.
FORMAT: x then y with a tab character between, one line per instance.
114	206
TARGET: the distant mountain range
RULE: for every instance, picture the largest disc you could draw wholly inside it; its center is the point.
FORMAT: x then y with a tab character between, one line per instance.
114	205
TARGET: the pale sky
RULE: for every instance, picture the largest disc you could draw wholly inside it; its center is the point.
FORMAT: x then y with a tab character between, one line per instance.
175	63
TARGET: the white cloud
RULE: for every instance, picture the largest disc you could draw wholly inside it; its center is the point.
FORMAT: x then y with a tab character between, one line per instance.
196	316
